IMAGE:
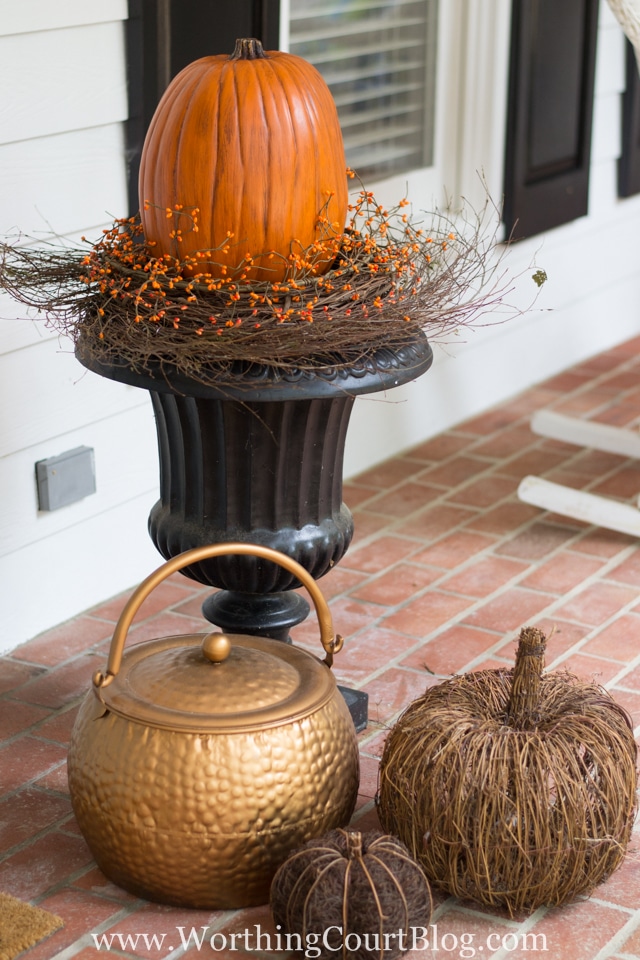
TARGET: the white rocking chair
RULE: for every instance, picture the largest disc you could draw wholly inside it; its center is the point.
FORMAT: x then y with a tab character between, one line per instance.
589	507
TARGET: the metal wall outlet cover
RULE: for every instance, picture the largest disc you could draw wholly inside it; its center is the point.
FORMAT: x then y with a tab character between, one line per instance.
64	479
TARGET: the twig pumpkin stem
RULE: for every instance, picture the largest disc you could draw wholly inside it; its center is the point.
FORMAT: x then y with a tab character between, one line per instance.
248	49
524	699
354	844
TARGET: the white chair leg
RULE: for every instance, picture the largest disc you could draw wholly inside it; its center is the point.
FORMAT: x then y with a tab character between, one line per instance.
588	507
587	433
580	505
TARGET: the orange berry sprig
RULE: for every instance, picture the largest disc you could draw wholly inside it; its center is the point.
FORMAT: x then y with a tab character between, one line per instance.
374	263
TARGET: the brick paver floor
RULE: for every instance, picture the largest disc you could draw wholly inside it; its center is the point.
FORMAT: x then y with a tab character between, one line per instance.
446	566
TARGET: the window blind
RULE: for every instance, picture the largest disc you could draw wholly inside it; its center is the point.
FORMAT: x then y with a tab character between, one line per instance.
378	58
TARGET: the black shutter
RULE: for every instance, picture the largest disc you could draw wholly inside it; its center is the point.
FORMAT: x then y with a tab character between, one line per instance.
553	47
141	91
629	163
163	36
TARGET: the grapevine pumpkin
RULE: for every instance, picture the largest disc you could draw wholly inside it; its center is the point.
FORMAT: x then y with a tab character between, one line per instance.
512	788
243	166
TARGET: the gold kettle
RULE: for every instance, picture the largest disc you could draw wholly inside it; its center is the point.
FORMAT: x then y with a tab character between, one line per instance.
198	763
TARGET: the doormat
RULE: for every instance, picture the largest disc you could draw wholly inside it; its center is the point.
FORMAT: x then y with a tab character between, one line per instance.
22	926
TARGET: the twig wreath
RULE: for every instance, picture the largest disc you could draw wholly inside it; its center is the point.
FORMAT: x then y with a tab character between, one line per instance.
390	281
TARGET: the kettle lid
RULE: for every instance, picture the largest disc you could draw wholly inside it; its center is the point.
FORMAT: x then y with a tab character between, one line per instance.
216	683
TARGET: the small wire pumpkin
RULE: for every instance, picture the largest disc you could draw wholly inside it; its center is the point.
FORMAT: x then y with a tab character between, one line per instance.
512	788
351	895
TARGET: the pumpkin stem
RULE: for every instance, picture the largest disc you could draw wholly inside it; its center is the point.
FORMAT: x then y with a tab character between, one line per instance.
354	844
248	49
522	709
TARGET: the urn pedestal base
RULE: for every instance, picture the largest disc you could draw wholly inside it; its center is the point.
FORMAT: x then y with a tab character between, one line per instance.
260	614
257	457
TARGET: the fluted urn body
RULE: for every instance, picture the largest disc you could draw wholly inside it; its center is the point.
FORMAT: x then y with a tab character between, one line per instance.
268	471
257	457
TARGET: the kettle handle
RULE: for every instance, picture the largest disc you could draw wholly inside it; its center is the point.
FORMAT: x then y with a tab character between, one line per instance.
331	642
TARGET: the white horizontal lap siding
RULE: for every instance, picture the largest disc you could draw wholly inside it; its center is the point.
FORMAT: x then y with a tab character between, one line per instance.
86	170
610	58
62	174
57	396
27	16
21	521
488	366
15	330
62	80
52	581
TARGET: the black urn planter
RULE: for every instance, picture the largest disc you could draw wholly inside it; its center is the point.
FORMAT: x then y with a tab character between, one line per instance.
258	458
264	471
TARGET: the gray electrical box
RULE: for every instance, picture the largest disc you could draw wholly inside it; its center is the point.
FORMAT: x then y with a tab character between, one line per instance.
66	478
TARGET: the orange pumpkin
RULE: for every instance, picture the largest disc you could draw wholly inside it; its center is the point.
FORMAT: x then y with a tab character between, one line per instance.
253	141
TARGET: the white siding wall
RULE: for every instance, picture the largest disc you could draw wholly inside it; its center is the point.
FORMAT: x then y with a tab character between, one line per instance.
62	169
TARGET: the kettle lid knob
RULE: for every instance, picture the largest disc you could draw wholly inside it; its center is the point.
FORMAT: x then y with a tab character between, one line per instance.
216	647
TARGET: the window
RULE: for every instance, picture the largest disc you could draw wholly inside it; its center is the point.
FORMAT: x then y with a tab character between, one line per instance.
378	58
392	66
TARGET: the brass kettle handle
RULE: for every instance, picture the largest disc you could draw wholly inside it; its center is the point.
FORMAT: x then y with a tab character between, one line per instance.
331	642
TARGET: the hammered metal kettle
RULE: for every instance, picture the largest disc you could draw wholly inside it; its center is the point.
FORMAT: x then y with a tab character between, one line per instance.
198	763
